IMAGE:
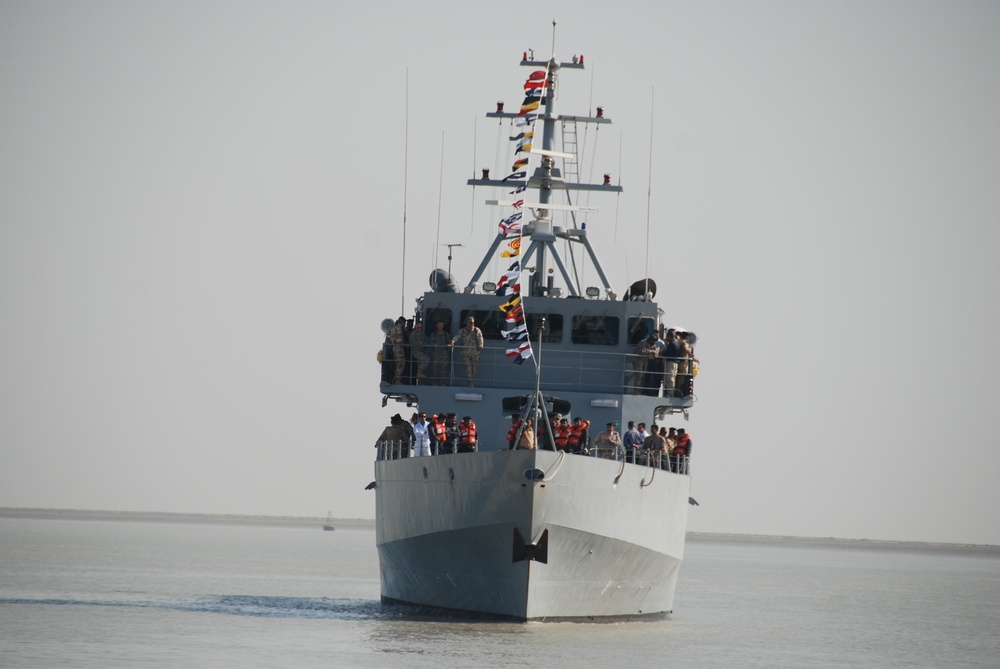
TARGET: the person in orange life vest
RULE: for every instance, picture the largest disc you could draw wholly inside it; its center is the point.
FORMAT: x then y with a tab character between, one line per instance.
438	436
682	450
579	436
544	440
561	434
515	422
467	437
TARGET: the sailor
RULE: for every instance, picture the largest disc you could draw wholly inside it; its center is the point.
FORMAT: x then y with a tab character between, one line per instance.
671	357
470	340
422	435
397	336
467	438
643	352
395	439
632	441
438	341
420	359
608	442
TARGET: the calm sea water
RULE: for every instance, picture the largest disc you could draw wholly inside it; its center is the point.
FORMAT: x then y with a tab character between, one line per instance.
124	593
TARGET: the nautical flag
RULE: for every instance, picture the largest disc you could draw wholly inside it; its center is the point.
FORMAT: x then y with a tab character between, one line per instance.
520	163
515	249
524	146
515	176
519	189
516	216
517	205
528	85
525	354
510	304
528	107
537	75
509	229
523	135
519	351
517	333
516	315
524	120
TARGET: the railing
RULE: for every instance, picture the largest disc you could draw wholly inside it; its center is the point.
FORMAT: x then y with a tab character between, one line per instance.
593	371
679	464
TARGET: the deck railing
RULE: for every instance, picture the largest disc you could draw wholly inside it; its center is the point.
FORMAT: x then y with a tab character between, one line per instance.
679	464
594	371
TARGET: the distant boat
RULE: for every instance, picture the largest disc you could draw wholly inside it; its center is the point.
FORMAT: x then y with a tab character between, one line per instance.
328	525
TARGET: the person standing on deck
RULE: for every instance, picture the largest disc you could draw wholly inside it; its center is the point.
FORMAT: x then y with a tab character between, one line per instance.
467	437
671	357
438	341
470	340
422	435
397	337
420	359
608	442
632	441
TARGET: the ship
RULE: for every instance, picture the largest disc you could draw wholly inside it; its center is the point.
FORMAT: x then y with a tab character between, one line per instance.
328	526
550	533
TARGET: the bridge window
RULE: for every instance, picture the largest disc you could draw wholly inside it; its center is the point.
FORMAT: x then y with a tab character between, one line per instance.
492	322
432	316
595	330
639	328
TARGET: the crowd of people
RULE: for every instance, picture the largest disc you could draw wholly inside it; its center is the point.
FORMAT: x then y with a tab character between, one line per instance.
423	435
412	356
664	367
433	435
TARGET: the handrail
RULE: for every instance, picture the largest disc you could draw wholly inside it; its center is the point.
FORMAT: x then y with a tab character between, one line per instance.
399	449
566	370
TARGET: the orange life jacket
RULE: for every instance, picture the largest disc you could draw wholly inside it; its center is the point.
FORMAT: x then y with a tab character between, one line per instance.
576	434
512	432
561	434
467	433
682	445
438	430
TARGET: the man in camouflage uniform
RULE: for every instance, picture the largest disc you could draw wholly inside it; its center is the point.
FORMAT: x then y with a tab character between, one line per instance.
470	340
397	337
420	359
438	341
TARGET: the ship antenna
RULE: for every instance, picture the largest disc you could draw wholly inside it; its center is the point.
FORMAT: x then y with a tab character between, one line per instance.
406	162
437	236
649	184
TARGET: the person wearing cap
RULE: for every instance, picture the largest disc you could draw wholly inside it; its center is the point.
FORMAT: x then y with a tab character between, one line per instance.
470	340
608	442
397	337
422	435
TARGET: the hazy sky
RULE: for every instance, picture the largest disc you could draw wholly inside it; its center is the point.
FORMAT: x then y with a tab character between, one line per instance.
201	209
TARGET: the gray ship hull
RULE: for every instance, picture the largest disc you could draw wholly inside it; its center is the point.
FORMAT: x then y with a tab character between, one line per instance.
530	535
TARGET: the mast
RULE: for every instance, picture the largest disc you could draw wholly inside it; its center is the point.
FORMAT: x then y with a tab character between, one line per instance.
541	231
